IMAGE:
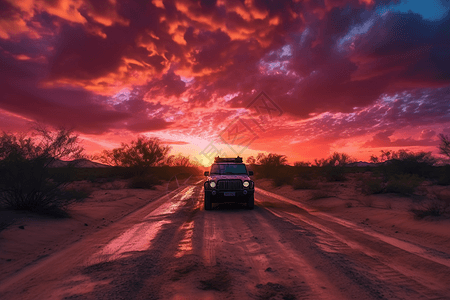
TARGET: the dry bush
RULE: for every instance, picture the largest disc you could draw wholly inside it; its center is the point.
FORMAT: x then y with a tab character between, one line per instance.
320	194
115	185
444	176
140	154
302	184
282	179
306	171
5	224
371	185
333	168
144	182
404	184
438	206
406	162
272	166
27	181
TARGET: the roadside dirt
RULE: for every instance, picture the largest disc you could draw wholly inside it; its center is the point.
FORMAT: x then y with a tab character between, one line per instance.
388	214
283	249
31	237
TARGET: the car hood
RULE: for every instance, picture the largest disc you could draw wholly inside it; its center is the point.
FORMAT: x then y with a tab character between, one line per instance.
222	177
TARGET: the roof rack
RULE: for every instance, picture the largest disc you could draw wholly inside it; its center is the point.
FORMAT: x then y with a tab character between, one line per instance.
228	159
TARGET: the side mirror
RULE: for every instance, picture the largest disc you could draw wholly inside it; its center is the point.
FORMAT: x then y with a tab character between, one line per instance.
250	173
206	173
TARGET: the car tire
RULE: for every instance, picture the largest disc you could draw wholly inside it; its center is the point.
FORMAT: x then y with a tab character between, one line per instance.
251	202
208	203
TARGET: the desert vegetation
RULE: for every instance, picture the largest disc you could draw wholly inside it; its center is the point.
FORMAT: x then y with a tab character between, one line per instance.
401	172
303	175
26	180
30	180
146	161
32	177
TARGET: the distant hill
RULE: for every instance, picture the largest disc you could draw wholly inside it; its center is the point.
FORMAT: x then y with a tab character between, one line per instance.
362	164
77	163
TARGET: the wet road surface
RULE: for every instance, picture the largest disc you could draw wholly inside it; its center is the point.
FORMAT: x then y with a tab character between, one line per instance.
174	249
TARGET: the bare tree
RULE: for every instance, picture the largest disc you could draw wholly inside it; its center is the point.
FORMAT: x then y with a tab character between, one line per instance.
25	178
385	156
332	167
302	164
272	159
374	159
180	161
339	159
140	154
251	160
444	146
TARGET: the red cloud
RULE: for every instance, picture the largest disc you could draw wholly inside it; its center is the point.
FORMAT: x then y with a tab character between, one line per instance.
329	65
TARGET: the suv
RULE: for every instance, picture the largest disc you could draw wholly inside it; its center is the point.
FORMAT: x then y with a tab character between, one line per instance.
229	181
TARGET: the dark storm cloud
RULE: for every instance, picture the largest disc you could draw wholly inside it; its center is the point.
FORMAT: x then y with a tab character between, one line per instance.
415	50
383	139
388	116
72	107
82	56
76	111
310	57
400	52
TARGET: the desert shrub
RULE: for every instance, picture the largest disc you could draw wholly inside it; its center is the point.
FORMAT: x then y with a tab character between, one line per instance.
406	162
444	175
26	179
434	207
180	161
403	184
333	168
5	224
271	166
371	185
102	175
306	172
320	194
302	184
139	155
334	173
420	164
144	182
302	164
282	178
444	146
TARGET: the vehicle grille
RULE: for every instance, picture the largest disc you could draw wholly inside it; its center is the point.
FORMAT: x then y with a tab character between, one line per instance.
229	185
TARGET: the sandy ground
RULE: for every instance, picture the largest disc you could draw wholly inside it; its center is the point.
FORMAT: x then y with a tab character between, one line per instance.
389	214
293	245
31	237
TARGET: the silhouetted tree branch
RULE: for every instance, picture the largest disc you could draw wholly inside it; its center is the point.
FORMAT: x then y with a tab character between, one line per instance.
25	180
140	154
444	146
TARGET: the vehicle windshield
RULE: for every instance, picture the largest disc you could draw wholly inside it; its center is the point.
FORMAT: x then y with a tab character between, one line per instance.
228	169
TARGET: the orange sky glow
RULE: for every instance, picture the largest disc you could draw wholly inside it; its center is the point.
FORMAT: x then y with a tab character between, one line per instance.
299	78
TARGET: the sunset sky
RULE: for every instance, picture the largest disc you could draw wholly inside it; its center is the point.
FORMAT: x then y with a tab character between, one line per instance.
348	76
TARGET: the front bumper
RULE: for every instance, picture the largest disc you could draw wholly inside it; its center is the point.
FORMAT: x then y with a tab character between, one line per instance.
225	196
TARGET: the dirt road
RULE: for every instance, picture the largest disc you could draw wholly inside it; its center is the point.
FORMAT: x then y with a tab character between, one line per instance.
173	249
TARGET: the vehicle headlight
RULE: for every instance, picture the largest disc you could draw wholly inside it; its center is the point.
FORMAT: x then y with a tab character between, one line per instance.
246	184
212	184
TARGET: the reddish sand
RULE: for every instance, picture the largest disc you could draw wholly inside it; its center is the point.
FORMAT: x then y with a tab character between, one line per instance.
42	236
389	214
